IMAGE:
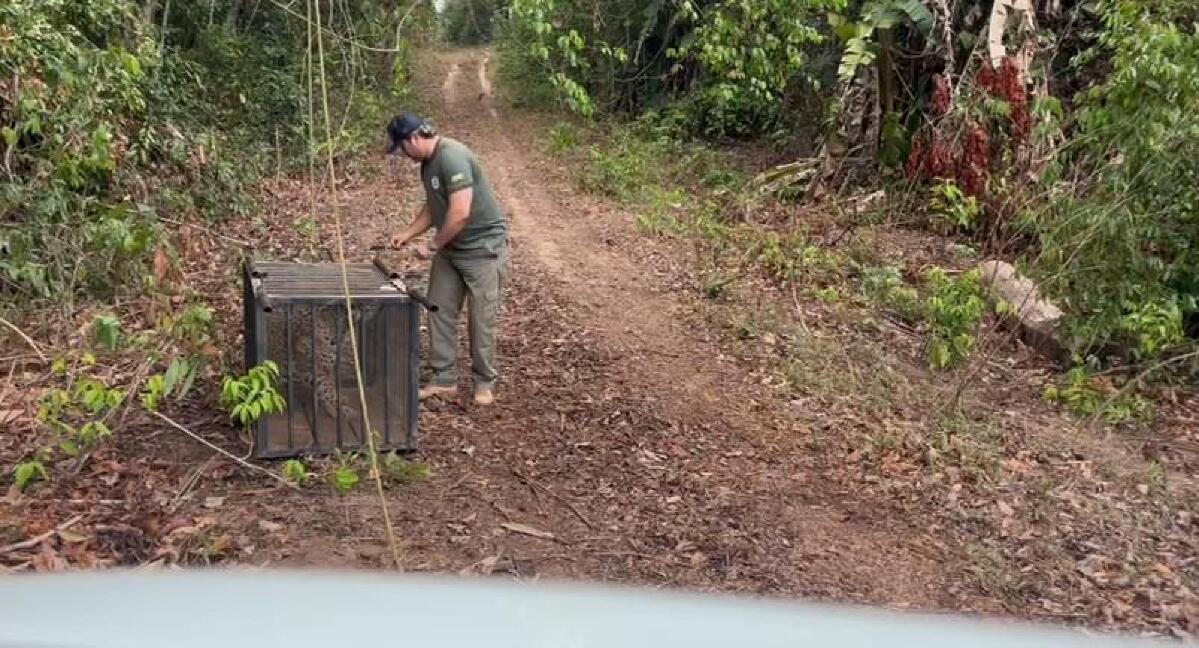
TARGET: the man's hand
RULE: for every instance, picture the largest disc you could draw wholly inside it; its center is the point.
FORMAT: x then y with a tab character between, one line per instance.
426	252
432	248
418	226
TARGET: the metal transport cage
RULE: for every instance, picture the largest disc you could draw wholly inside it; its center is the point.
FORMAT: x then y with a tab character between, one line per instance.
295	315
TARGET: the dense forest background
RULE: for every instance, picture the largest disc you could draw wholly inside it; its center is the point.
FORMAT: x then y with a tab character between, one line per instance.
1058	133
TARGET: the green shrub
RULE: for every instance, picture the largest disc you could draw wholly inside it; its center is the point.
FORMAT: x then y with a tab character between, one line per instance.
1122	252
1078	391
953	208
953	310
885	286
562	138
108	106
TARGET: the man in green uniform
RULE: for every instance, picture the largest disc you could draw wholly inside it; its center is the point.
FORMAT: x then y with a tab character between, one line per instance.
470	252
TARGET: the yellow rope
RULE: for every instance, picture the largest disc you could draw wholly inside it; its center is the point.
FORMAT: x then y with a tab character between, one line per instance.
392	541
311	122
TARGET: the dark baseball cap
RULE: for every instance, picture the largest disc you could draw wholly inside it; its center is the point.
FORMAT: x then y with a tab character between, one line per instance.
402	127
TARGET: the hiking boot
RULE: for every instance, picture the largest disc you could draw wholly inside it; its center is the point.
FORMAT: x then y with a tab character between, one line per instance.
433	389
484	396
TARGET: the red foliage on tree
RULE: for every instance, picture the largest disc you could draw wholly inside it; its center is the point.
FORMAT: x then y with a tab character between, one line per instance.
940	160
1012	91
914	167
941	98
976	159
988	79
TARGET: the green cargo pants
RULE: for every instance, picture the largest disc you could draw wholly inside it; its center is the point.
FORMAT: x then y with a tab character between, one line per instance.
451	280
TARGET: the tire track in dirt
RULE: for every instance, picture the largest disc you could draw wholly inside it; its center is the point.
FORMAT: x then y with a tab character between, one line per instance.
762	493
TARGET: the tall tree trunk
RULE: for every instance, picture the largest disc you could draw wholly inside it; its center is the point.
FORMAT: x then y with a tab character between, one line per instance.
148	14
886	71
857	133
232	16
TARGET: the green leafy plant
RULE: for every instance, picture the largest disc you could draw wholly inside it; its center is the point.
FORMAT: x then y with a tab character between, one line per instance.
296	472
625	167
397	469
1122	250
708	225
249	397
344	477
28	472
885	286
1081	393
778	255
562	138
196	325
659	217
828	295
78	415
820	264
953	309
93	432
751	50
193	99
154	392
876	16
1152	327
954	208
177	381
556	60
96	397
107	331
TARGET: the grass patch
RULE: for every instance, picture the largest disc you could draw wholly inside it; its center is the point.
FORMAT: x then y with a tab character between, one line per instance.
660	216
563	138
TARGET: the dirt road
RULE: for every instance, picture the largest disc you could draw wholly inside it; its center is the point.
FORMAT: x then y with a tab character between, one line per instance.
624	432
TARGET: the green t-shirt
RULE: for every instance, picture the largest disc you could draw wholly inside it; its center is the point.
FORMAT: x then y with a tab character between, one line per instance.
454	167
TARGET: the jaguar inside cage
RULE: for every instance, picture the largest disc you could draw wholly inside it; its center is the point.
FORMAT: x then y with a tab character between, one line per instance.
295	315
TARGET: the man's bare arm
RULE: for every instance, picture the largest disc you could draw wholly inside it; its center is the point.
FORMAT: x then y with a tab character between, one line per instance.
455	217
418	226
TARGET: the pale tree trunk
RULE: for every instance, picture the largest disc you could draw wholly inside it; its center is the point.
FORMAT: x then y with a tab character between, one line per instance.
1001	16
231	17
148	14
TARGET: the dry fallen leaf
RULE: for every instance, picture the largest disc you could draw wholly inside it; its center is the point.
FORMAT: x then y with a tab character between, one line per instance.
213	502
162	264
268	526
71	537
524	529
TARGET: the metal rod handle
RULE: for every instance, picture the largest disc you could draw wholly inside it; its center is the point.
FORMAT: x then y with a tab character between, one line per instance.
422	300
396	278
